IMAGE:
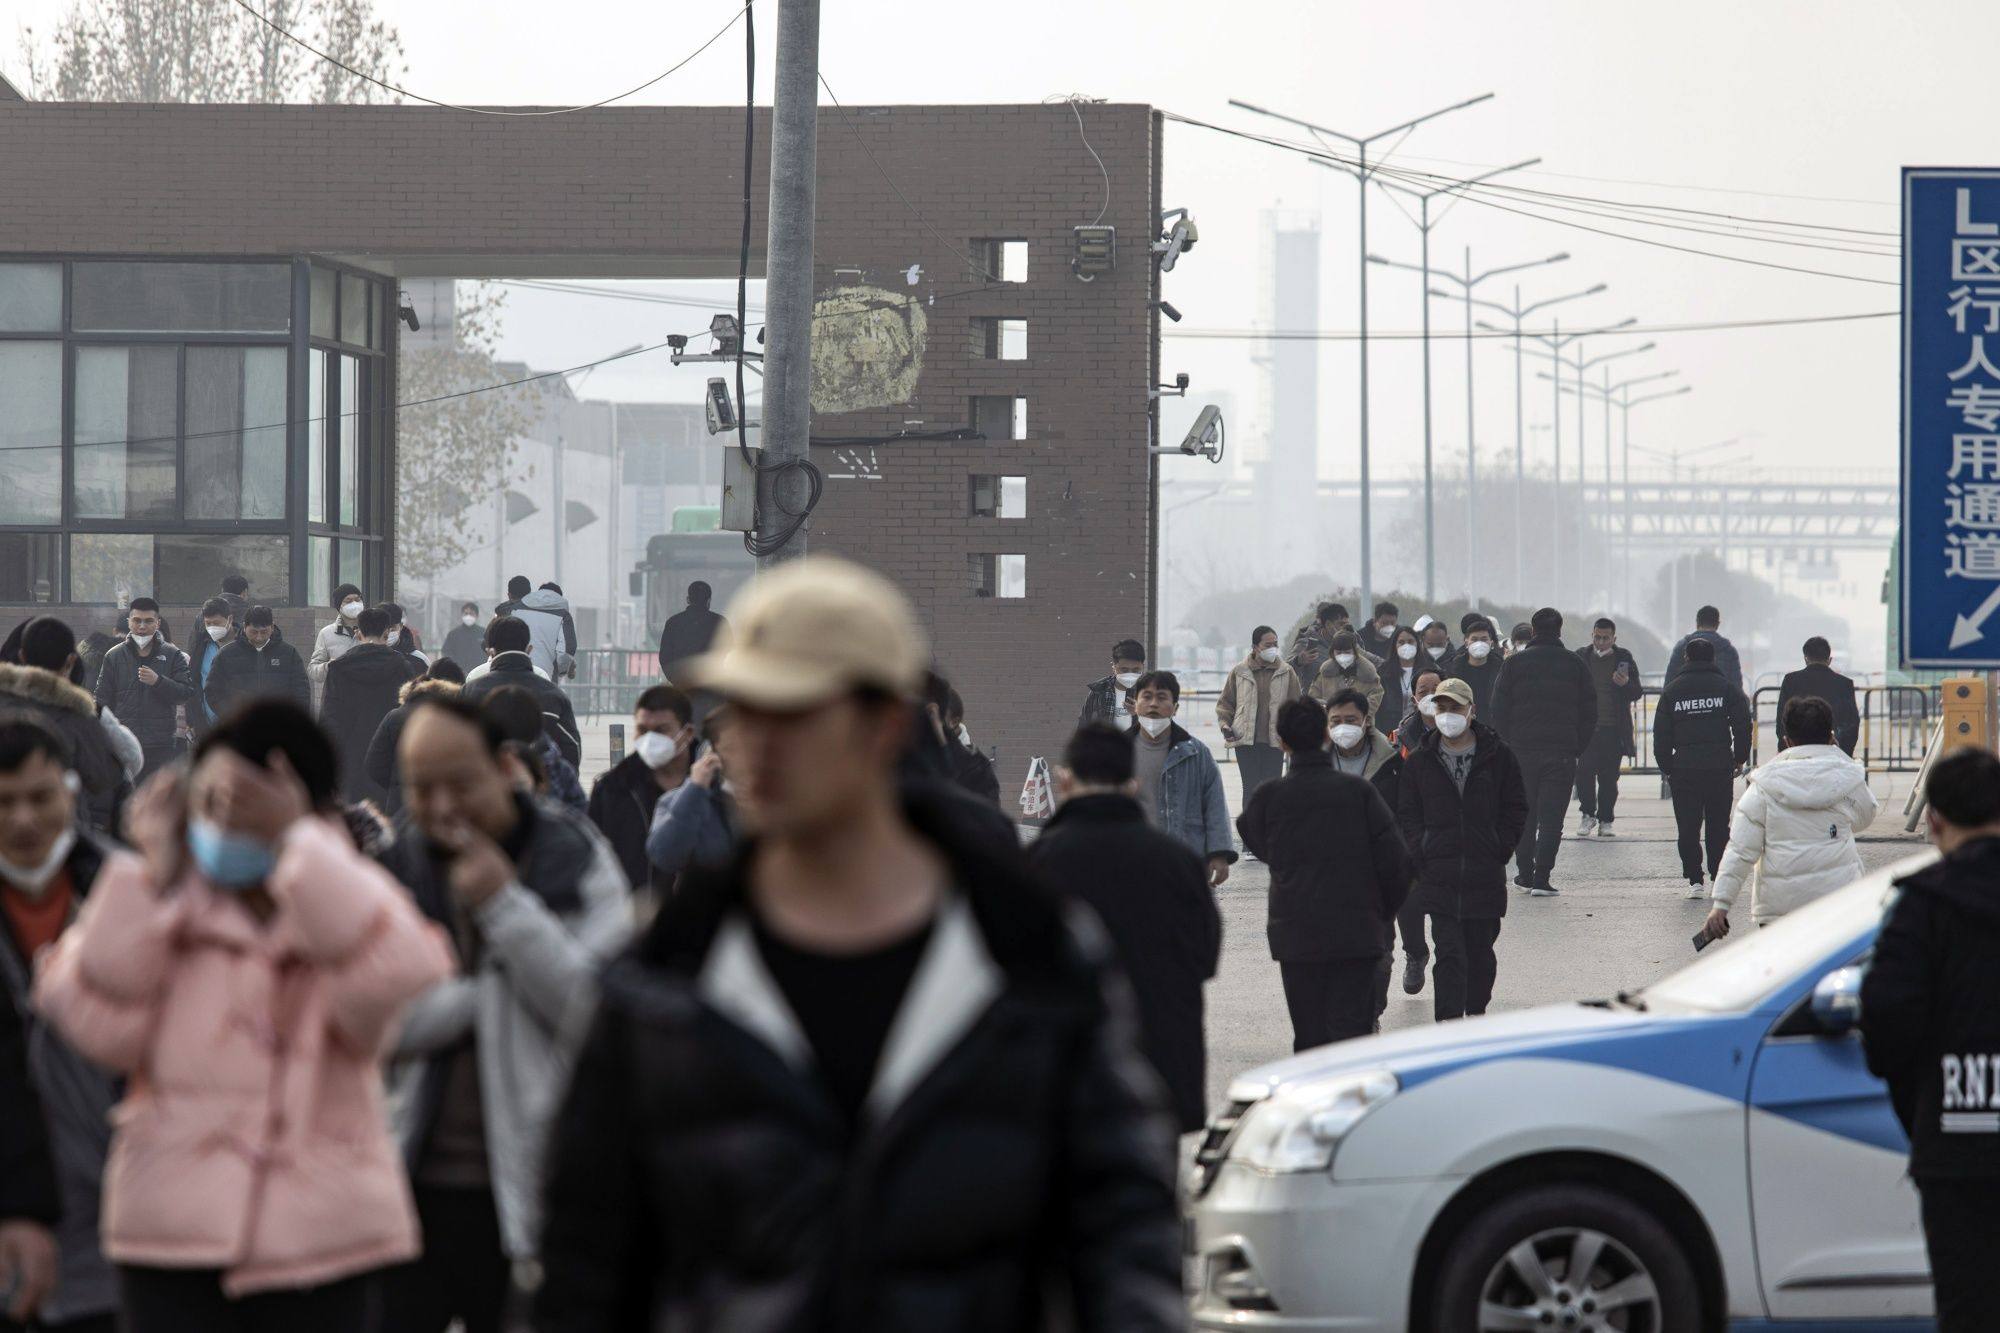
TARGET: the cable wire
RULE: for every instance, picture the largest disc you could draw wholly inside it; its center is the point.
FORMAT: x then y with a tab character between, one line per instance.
1482	335
1075	101
338	63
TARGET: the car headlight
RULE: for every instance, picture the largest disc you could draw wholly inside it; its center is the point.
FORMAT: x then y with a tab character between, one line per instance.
1298	1127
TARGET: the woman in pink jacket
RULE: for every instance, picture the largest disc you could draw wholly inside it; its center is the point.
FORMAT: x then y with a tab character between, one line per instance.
244	970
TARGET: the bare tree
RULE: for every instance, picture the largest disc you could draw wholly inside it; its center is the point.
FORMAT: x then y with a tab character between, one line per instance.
213	51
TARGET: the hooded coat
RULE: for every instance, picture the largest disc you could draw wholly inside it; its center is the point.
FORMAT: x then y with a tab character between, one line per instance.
362	686
1792	837
1930	1010
551	632
72	714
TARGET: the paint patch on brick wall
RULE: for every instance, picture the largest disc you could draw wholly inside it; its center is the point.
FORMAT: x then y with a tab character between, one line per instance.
867	350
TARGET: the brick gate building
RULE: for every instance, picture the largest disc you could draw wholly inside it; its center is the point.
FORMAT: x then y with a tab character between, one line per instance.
198	348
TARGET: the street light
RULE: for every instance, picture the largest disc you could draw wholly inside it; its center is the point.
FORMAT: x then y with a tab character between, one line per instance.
1554	342
1361	143
1619	394
1517	313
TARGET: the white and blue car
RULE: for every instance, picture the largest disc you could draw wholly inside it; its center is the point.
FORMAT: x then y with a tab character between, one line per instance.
1710	1152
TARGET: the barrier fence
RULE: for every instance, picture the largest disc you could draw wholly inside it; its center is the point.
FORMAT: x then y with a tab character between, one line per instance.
1896	724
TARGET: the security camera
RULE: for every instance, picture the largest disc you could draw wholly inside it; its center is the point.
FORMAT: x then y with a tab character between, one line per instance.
1178	240
677	341
1205	439
721	410
1167	309
1178	389
405	311
727	333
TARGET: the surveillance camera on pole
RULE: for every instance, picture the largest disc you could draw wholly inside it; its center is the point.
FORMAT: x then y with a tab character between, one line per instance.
720	408
1205	439
1177	240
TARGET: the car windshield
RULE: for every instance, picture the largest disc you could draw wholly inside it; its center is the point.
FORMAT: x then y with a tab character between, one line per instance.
1736	975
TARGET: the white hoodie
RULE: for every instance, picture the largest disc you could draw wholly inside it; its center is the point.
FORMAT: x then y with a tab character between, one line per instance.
1796	824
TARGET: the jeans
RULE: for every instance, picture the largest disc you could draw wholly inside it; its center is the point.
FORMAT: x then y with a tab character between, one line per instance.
1329	1001
1597	774
1462	977
1702	798
1547	776
1962	1233
462	1274
190	1300
1258	764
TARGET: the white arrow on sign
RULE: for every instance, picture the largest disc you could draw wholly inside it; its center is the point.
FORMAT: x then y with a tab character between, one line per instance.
1967	629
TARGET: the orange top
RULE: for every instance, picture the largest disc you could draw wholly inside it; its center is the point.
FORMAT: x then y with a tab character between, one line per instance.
35	922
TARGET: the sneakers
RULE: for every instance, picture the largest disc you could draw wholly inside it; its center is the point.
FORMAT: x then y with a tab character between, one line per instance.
1696	891
1544	890
1413	973
1521	881
1588	827
1604	829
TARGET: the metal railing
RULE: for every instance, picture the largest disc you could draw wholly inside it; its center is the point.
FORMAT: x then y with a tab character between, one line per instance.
610	680
1896	724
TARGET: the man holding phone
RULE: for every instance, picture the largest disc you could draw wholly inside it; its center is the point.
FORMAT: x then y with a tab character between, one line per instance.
1614	673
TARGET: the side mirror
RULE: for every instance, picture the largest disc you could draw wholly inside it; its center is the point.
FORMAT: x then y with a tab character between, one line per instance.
1836	1001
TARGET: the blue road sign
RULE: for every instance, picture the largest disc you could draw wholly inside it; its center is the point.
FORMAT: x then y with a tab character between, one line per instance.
1951	417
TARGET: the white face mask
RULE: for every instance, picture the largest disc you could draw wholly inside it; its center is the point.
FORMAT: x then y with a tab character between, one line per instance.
1386	628
33	881
1268	654
218	632
1478	650
1153	726
350	609
1453	725
1345	660
1605	652
1407	651
1436	653
468	621
656	750
1347	735
1427	707
964	736
1126	679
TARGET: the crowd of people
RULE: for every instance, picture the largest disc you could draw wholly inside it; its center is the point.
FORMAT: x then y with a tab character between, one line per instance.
333	1001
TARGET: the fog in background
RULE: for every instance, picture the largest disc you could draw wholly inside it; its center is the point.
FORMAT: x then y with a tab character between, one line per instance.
1798	111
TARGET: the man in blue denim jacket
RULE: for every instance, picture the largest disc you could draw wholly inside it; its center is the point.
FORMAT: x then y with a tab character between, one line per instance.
1179	784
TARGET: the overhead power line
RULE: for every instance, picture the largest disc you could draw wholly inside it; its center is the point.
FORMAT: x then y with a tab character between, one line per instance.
1481	335
400	91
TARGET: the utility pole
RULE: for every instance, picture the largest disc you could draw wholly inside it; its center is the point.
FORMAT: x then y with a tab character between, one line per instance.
788	277
1361	172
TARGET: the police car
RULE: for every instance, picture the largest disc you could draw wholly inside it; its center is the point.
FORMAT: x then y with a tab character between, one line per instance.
1709	1152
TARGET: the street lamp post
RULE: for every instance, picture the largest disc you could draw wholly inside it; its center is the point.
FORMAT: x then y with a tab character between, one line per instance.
1361	144
1625	405
1553	344
1610	394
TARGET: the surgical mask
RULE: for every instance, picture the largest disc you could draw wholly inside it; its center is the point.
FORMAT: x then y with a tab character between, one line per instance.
1153	726
1346	660
1453	725
1603	652
1126	679
468	621
656	750
964	736
231	861
33	881
350	609
1407	651
1437	653
1268	654
1478	651
1427	706
1386	628
1347	735
142	641
218	632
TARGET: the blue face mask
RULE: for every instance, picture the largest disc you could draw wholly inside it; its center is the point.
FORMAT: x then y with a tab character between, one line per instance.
231	861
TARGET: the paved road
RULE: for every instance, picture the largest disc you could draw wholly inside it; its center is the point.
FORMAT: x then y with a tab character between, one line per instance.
1620	923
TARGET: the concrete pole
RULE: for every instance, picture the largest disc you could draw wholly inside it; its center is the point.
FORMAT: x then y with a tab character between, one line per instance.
788	276
1430	525
1472	552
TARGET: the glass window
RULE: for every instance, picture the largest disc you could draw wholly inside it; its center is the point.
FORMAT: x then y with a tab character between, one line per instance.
354	569
353	424
325	285
316	429
30	432
110	567
29	567
353	309
31	298
319	574
236	432
192	566
127	404
174	298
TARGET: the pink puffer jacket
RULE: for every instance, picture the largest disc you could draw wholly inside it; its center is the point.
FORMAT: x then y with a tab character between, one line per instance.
253	1136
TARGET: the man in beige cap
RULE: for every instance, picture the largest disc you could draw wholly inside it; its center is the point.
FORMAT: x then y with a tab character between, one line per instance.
1462	807
826	1090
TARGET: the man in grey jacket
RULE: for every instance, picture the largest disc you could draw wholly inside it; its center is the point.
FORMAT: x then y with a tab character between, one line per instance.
1179	783
545	611
535	900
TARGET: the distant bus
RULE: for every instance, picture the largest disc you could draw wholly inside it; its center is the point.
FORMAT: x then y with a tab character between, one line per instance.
695	548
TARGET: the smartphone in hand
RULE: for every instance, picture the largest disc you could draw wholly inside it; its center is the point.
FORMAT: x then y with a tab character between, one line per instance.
1702	939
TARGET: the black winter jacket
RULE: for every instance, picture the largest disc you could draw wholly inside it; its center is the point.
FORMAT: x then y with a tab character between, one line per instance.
1483	677
621	805
1462	842
1930	1013
149	710
1339	869
1152	895
558	718
1544	699
687	634
242	672
699	1180
27	1177
363	685
1820	681
466	645
66	710
1701	723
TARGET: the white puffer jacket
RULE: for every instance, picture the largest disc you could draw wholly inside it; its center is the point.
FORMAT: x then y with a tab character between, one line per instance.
1795	825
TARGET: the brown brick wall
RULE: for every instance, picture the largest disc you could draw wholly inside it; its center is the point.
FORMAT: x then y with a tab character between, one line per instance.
644	191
